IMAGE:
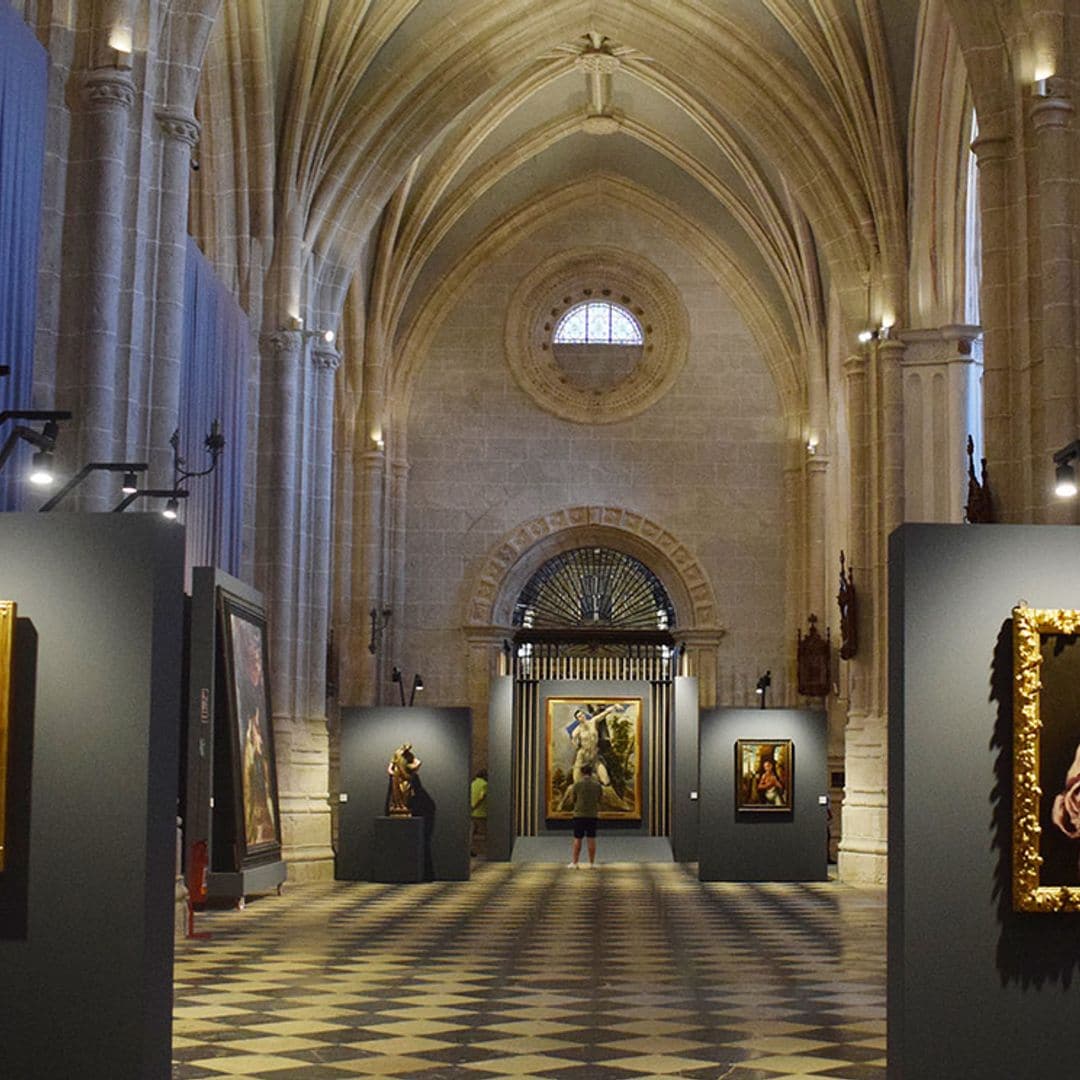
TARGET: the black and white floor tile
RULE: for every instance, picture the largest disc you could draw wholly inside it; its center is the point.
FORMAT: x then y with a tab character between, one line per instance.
534	970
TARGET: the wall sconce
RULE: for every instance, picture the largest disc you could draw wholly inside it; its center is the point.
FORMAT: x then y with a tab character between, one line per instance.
1065	470
296	323
763	684
214	444
812	445
120	42
379	622
41	474
866	336
129	484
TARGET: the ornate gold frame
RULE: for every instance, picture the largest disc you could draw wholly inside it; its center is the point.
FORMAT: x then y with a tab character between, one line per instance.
7	648
1028	626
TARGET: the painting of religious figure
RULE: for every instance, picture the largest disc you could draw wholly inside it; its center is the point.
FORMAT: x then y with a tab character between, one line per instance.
764	774
1046	759
604	733
7	650
258	833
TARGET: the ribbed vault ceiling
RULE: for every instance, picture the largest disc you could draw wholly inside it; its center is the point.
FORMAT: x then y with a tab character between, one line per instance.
775	127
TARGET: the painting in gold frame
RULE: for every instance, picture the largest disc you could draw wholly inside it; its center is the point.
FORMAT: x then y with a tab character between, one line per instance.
7	650
1046	759
604	732
764	775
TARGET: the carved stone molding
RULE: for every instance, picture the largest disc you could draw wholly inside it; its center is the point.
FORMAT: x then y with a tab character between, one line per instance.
509	560
601	274
326	357
282	342
179	125
107	88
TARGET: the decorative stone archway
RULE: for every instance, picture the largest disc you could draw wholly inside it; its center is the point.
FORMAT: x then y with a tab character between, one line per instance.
521	552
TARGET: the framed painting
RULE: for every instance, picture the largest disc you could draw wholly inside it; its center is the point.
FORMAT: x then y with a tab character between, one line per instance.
257	835
764	775
7	655
1046	759
604	732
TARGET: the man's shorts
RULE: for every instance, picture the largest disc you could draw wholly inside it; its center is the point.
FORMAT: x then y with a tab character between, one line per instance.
584	826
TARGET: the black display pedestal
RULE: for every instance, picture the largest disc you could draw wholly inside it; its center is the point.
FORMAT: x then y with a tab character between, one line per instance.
237	885
397	849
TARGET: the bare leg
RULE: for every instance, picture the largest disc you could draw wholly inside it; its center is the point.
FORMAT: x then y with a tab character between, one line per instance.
591	843
575	851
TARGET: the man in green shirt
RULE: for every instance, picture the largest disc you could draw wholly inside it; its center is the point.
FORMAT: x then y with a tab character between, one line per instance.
585	799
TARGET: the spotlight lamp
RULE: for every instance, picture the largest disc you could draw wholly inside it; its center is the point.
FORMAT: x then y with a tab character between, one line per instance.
866	336
130	484
763	684
172	497
1065	461
41	472
417	686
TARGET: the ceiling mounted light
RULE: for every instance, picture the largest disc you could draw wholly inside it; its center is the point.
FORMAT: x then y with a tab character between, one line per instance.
130	484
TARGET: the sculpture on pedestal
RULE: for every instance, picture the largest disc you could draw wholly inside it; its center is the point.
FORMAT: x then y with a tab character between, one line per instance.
402	769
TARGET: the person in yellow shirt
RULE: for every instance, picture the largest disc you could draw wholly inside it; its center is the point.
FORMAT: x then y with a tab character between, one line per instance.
478	790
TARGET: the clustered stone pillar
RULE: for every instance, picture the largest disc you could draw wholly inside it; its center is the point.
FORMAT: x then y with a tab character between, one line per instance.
368	523
1054	401
180	132
108	95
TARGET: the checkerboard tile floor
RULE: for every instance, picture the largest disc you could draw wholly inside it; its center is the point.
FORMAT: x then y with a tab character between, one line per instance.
539	971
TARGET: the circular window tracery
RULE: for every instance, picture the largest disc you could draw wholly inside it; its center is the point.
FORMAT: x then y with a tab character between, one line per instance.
637	310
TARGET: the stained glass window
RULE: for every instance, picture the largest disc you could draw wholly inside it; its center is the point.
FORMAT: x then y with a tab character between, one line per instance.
598	323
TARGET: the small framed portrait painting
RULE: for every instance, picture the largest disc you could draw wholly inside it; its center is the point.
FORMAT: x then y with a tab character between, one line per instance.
764	775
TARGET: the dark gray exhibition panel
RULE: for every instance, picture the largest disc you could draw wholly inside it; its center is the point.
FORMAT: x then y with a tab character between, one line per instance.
89	992
752	845
975	989
500	797
684	811
595	690
442	740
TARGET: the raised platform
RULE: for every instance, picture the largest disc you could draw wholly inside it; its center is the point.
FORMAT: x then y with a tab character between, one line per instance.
610	848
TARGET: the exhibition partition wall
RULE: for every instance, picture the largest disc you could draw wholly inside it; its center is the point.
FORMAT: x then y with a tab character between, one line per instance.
88	990
975	988
442	740
763	798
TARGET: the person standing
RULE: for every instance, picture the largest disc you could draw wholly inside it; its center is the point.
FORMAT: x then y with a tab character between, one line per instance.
478	790
585	799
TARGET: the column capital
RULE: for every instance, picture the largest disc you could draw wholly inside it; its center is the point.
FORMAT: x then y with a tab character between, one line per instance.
818	463
1052	112
325	357
282	342
107	88
179	124
988	148
855	365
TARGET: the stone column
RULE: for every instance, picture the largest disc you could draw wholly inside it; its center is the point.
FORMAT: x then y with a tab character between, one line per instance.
1005	407
1054	394
701	654
397	585
817	470
940	375
180	132
107	96
862	848
483	645
367	586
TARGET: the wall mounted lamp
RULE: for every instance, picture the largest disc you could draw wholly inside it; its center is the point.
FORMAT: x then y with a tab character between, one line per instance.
1065	461
172	497
296	323
763	684
129	484
41	468
214	444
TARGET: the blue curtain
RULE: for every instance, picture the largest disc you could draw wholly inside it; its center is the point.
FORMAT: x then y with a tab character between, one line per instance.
214	387
23	100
